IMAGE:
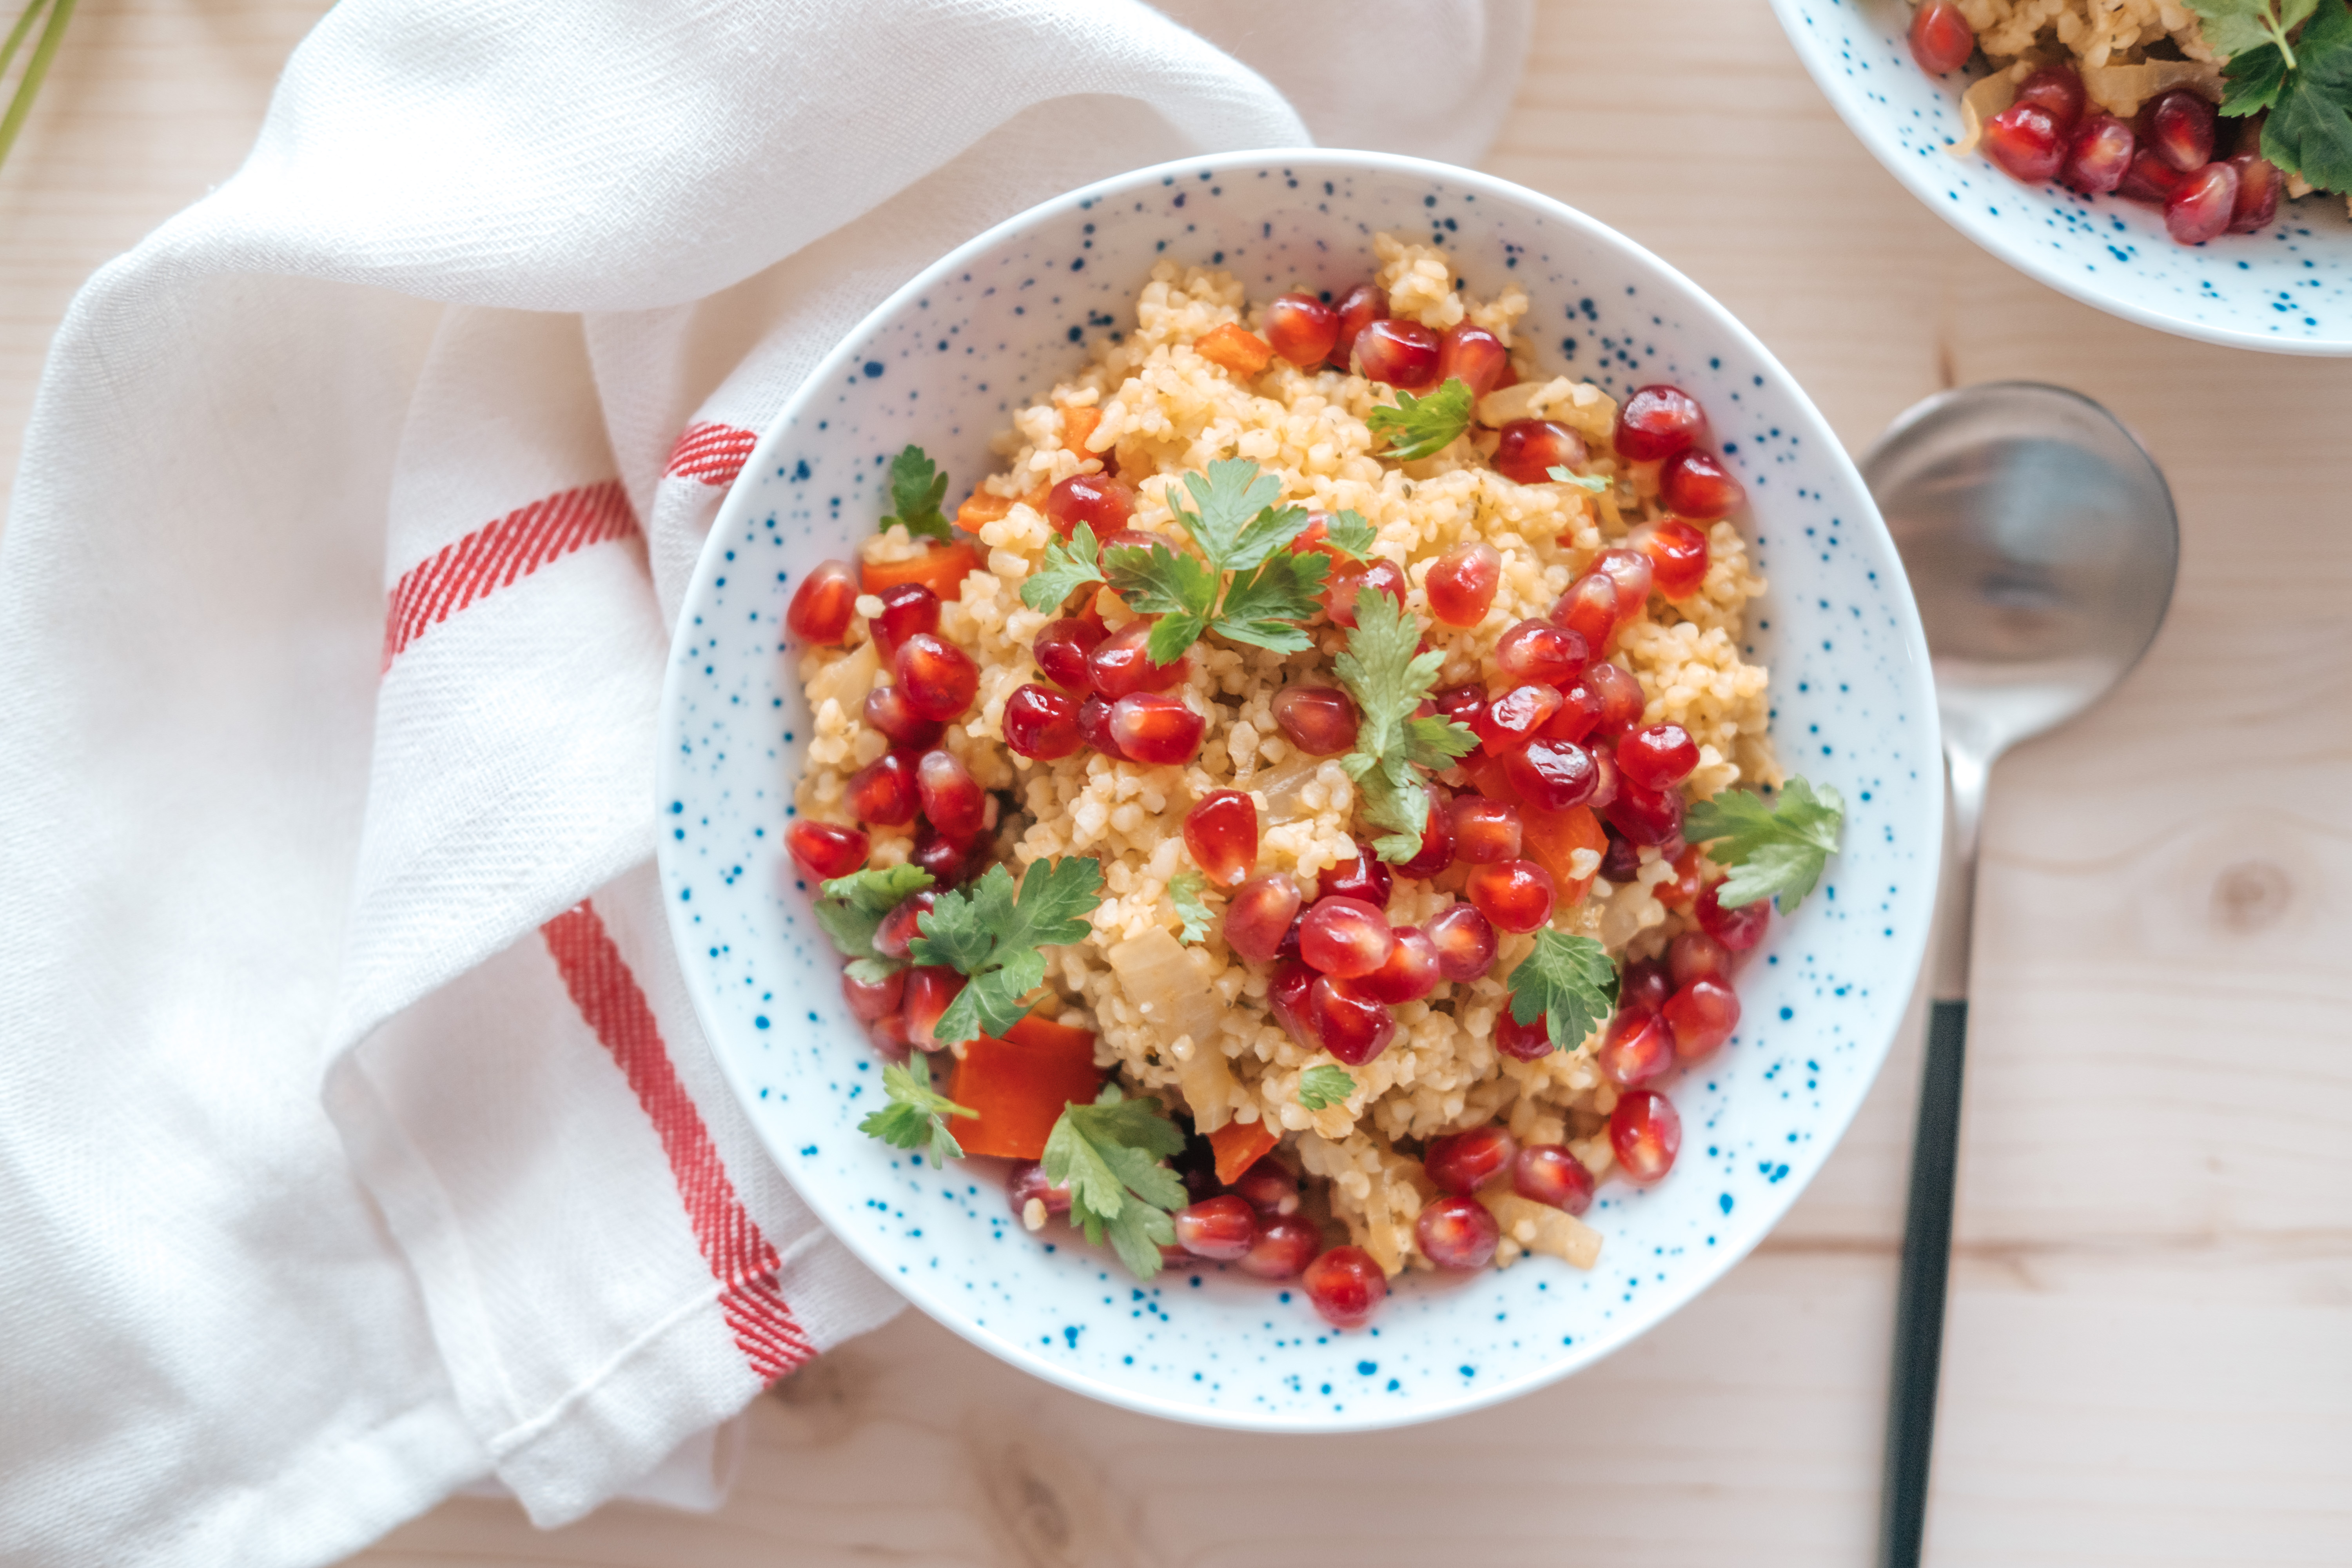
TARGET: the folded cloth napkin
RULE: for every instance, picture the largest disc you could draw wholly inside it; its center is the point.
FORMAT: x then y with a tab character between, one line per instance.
356	1140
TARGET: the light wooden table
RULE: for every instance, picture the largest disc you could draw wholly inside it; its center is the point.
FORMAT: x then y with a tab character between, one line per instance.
2150	1349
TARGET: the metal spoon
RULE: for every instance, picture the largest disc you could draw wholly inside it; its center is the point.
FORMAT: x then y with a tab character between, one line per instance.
2040	540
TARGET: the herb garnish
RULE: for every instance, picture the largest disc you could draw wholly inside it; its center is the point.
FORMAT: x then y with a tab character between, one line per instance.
1592	482
853	906
917	1116
1109	1153
994	937
1568	982
1184	892
1776	850
1348	533
1389	679
2306	83
1323	1086
916	488
1426	426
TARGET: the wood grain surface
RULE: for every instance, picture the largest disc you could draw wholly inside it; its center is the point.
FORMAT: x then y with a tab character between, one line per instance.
2148	1359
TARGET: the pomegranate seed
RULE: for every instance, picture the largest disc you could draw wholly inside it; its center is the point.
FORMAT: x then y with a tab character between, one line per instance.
949	798
1473	356
1135	537
1401	353
1464	941
2026	142
1522	1042
1530	449
1458	1232
1259	915
1042	722
872	1002
1540	651
1658	422
1222	833
908	608
1702	1016
1463	704
1646	1135
823	605
1658	757
887	711
1677	555
1268	1187
1622	698
1436	839
1364	877
1349	1025
1345	1286
940	677
1027	1182
949	860
1646	816
883	792
1221	1228
931	988
899	927
1316	536
1156	730
1512	718
1644	986
2150	178
2057	91
1283	1248
1606	779
1636	1047
1552	775
1462	1163
1697	485
1357	309
1941	38
1061	651
1411	973
1738	930
1620	861
1628	570
1462	584
2200	210
1302	328
2259	183
1340	591
1517	895
2099	155
1346	937
1320	720
1104	504
1579	715
1694	956
2181	128
1120	665
1290	997
823	850
1589	609
1094	728
1549	1174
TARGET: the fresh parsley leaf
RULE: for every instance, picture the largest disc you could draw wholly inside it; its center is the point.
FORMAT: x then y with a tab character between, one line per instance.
988	933
916	488
1386	675
2252	82
2309	130
1184	892
1175	585
1350	534
2234	28
1070	565
1774	851
1108	1154
852	907
1426	426
1324	1085
1237	524
916	1116
1592	482
1259	609
1570	982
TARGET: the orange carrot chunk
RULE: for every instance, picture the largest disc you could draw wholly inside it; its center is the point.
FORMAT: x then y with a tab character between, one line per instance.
942	569
980	506
1551	839
1238	1147
1018	1086
1079	426
1236	348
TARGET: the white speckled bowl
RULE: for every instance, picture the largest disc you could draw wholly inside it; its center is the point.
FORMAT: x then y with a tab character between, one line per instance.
944	363
2287	288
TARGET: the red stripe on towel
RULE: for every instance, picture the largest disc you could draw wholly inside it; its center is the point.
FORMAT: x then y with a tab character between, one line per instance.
713	454
741	1258
497	554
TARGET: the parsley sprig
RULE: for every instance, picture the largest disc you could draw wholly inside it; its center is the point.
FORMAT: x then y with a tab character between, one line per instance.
2305	82
1389	679
1426	426
994	937
1109	1153
916	488
1592	482
852	909
1775	850
1184	892
1570	982
1350	534
1323	1086
917	1116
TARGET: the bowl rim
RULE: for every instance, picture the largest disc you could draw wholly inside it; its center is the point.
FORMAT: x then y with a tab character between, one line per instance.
1998	240
828	371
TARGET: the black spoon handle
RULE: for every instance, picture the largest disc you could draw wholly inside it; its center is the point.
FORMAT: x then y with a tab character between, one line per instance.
1919	1305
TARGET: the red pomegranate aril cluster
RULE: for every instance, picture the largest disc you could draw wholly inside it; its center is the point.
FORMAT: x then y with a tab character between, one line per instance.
1040	722
1345	1286
1410	971
1473	356
1462	1163
1458	1232
1649	817
1401	353
1156	730
883	792
886	709
824	603
1517	895
1464	941
1460	585
1101	502
907	609
823	850
1120	665
1645	1134
1222	833
1094	728
1061	651
1528	450
1941	38
1549	1174
1320	720
1512	719
1258	915
1622	697
1553	775
1301	329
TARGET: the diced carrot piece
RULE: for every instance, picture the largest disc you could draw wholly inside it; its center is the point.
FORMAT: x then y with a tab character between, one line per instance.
980	506
942	569
1236	348
1486	772
1238	1147
1079	426
1551	839
1019	1085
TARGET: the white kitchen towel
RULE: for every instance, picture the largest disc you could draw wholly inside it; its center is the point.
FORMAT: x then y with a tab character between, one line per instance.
356	1140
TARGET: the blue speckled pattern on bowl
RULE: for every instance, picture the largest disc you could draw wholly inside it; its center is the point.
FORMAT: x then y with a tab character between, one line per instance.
2287	288
945	362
